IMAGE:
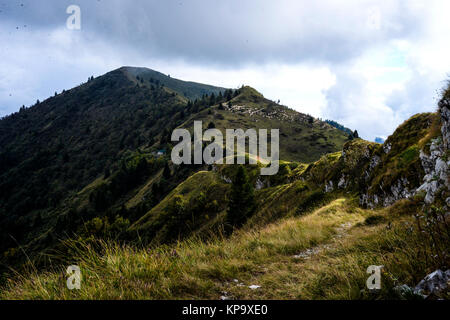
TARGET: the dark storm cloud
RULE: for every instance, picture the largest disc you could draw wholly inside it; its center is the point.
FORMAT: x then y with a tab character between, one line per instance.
339	57
226	32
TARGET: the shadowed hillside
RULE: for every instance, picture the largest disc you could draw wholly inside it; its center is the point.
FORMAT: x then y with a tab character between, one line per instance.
100	153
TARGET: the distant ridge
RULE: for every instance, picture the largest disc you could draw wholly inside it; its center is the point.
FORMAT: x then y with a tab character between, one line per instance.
189	89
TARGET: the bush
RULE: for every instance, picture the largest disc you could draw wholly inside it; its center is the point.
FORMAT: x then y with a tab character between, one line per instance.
374	220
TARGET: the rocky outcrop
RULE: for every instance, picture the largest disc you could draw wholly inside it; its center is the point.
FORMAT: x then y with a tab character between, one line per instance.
434	286
436	171
259	184
436	283
342	184
435	164
226	179
329	187
397	191
444	110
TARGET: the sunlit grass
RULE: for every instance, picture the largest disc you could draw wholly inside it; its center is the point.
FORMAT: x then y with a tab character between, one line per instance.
344	246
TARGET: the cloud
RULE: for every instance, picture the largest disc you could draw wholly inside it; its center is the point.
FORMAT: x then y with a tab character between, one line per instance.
386	85
365	63
353	102
232	32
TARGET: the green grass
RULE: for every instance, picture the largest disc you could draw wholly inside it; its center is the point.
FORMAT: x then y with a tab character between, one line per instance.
343	248
200	181
299	140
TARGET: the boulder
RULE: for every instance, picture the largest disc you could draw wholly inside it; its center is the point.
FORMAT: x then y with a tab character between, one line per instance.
434	284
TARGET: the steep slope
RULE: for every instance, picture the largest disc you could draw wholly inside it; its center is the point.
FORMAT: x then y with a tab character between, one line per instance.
377	175
92	151
302	137
60	145
314	231
283	259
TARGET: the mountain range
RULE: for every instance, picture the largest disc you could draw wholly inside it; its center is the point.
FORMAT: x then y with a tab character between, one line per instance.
86	177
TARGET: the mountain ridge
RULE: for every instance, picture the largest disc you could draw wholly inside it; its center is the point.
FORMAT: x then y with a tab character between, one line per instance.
136	221
56	148
189	89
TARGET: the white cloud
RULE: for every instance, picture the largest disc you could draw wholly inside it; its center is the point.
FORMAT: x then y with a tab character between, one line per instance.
367	64
297	86
380	89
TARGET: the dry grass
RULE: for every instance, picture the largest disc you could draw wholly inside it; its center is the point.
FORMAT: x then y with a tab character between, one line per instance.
341	248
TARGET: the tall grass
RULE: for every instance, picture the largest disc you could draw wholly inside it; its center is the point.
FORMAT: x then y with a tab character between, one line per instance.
343	247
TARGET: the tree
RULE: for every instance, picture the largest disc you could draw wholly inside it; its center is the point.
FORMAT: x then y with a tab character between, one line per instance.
212	99
228	94
355	134
177	212
242	199
167	173
211	125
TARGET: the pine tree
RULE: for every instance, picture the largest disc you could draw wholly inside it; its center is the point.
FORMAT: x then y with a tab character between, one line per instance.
212	99
242	199
167	173
228	95
211	125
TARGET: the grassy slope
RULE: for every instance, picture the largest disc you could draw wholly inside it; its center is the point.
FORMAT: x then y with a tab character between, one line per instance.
291	192
336	242
300	140
207	183
262	253
342	246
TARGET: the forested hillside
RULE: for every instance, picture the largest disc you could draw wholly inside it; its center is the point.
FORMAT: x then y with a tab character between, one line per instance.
100	153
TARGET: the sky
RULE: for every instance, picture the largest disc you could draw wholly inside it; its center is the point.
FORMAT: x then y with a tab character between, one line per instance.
369	65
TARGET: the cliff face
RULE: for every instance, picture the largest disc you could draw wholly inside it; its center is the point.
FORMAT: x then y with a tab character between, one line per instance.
434	159
435	164
413	161
444	110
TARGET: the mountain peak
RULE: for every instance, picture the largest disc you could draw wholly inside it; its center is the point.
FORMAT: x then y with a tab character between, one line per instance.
250	92
189	89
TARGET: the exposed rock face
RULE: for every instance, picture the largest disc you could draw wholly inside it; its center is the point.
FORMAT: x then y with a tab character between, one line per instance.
433	284
374	161
342	184
436	182
399	190
436	171
435	165
226	179
259	184
329	186
444	109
